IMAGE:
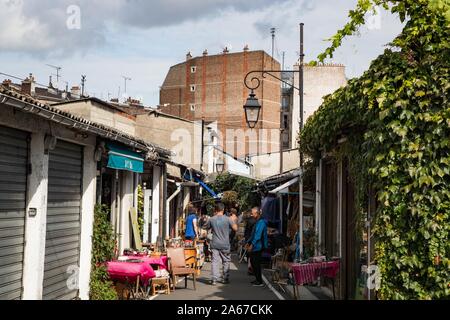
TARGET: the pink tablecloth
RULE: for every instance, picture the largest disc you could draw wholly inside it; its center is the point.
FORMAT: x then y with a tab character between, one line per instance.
129	271
160	261
310	272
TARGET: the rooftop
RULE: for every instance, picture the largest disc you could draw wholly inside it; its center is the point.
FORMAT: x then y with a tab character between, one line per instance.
31	105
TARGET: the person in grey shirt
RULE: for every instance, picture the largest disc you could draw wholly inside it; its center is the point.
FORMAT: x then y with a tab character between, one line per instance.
221	226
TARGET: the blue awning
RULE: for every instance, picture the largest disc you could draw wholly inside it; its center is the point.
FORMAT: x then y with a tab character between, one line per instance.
187	176
121	158
205	186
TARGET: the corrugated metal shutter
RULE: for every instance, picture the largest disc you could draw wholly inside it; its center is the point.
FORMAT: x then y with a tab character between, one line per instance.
13	185
62	245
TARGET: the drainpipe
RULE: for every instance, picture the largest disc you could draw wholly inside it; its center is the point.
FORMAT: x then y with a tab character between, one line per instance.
169	200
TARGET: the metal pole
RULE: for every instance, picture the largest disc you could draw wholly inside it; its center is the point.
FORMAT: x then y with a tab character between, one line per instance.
272	31
203	145
300	191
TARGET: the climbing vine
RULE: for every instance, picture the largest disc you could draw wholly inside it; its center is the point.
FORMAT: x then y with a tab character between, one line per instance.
396	121
103	250
140	210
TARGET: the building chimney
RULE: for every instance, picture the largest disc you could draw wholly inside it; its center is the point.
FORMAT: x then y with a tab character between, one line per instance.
7	83
205	53
29	85
246	48
188	56
75	92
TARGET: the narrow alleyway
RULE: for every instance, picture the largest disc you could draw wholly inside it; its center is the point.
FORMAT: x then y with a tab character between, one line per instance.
238	289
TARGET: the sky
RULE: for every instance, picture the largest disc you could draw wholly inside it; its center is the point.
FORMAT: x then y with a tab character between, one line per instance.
140	39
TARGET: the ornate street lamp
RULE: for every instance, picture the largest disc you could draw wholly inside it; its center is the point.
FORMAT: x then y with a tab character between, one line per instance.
220	166
252	109
253	83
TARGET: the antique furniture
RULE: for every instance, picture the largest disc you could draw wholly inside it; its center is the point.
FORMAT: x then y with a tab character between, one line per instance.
158	284
181	265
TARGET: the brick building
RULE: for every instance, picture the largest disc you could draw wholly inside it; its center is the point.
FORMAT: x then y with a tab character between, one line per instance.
211	88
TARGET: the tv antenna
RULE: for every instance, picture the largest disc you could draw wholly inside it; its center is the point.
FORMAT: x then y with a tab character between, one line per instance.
272	32
125	78
83	83
58	69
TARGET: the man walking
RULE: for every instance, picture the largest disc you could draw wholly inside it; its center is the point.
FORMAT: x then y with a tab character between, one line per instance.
221	227
257	243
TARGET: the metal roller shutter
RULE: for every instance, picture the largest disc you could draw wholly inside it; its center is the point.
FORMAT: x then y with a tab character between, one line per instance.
62	245
13	186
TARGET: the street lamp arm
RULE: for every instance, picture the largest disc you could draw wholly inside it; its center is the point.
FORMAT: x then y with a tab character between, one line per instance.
254	82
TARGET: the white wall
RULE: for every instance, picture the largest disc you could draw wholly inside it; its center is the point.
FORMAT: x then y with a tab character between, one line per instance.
87	219
268	165
155	203
237	167
318	82
35	227
126	203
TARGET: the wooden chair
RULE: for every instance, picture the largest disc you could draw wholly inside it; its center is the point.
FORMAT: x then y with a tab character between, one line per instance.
178	266
277	265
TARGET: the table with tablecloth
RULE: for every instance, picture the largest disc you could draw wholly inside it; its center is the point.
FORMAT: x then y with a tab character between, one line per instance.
130	271
307	273
310	272
161	261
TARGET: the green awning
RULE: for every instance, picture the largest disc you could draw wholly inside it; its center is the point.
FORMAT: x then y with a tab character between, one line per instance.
121	158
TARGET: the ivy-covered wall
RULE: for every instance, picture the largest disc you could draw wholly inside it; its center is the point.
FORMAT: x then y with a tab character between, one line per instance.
396	118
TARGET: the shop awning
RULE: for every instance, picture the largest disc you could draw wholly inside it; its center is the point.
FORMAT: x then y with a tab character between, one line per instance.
121	158
205	186
284	188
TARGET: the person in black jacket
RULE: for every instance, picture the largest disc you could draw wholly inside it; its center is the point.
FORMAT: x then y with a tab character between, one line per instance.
249	225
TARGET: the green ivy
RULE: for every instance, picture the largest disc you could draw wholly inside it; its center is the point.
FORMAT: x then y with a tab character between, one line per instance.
140	210
103	250
396	118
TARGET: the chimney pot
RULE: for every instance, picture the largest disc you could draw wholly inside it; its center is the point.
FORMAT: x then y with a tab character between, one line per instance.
75	92
188	56
29	85
7	83
225	51
246	48
205	53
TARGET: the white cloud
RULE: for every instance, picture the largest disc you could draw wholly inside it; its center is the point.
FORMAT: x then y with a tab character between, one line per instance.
42	24
18	32
112	42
